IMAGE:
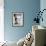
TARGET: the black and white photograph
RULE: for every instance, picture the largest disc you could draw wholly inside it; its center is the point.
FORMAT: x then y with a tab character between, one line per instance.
18	18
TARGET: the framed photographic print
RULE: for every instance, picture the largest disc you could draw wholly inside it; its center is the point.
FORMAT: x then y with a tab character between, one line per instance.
18	19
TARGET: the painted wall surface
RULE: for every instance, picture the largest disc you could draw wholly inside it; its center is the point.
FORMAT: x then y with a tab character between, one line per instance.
29	7
43	6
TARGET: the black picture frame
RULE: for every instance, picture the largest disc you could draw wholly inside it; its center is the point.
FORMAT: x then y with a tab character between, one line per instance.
17	19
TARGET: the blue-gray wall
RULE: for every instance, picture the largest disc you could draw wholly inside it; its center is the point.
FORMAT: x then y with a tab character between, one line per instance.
43	6
29	7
